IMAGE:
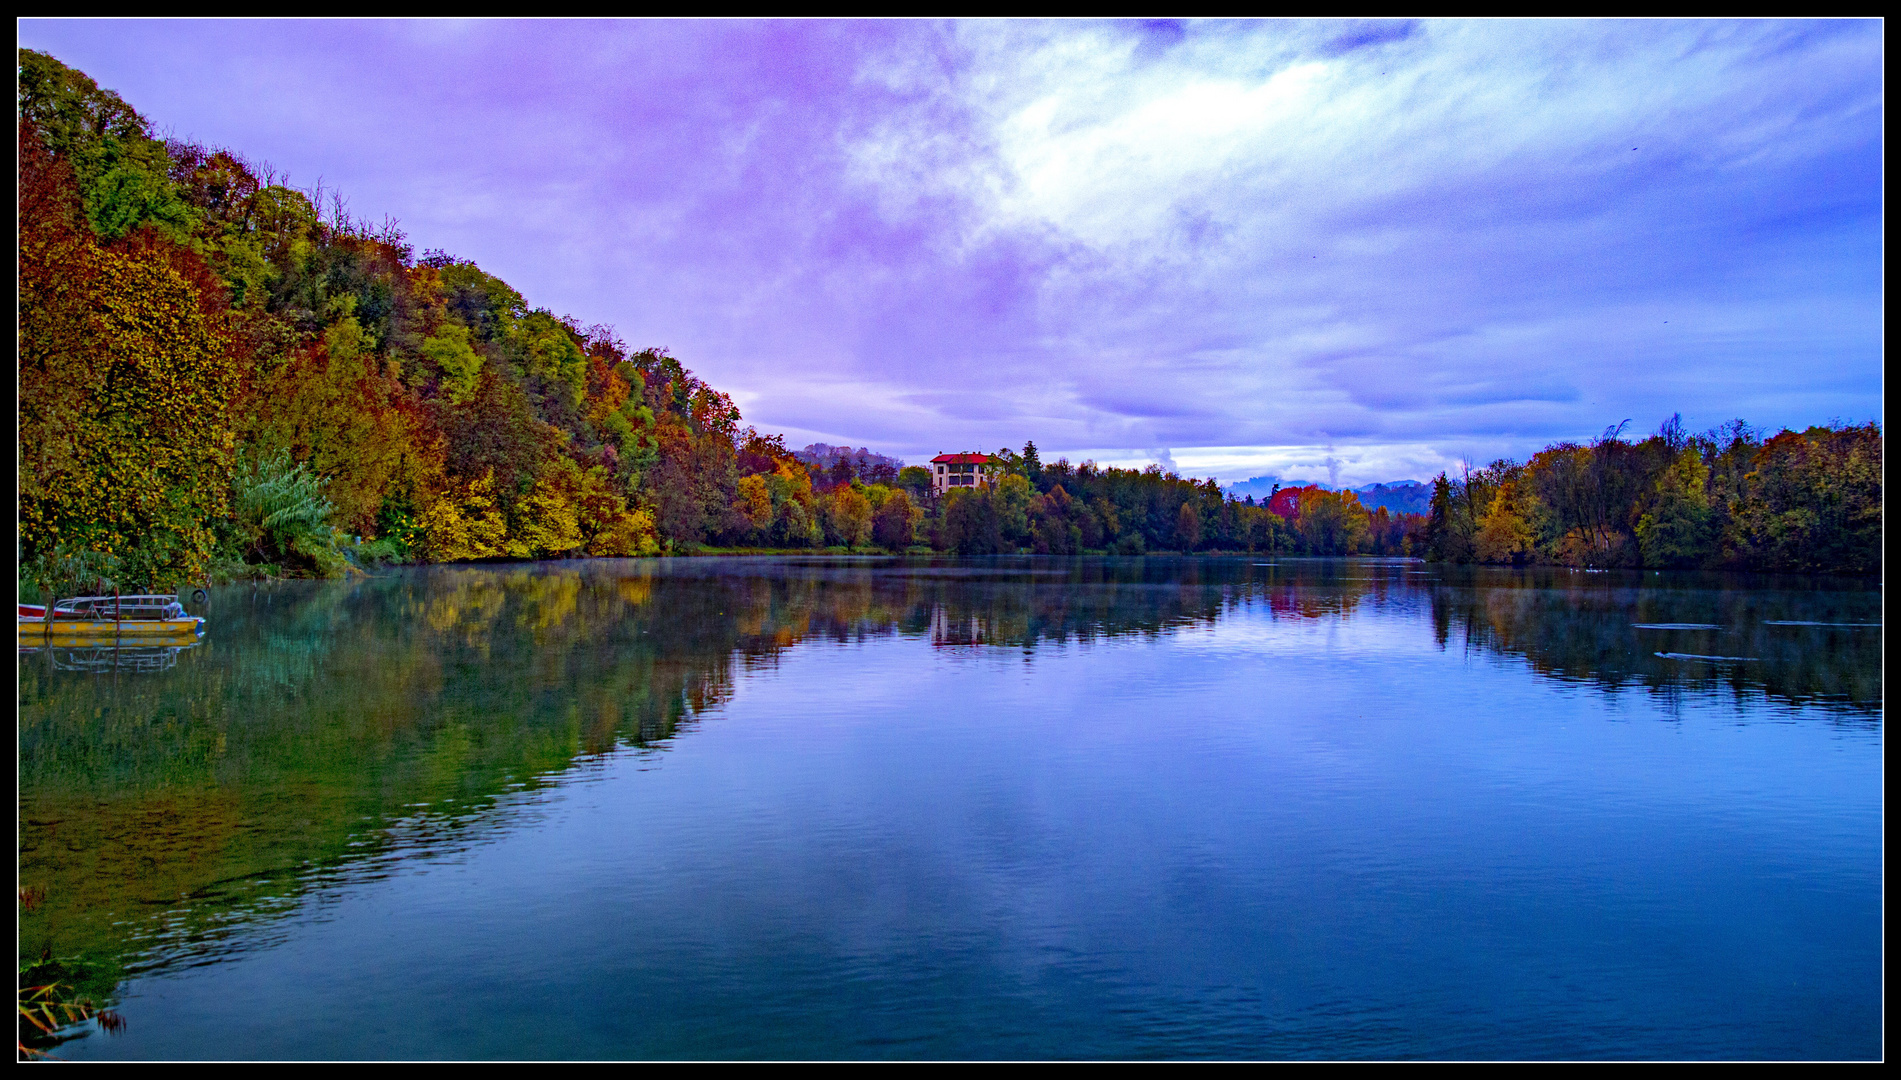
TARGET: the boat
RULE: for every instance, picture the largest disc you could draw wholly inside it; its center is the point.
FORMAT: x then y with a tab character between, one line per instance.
155	617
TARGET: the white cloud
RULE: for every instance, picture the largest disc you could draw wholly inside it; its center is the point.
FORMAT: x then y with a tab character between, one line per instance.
1237	242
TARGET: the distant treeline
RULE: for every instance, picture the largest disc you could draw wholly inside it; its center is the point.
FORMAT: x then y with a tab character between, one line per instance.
1800	502
1061	509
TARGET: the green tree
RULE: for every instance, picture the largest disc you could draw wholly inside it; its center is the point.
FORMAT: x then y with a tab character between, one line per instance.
1012	503
915	479
894	525
971	525
122	174
553	356
449	350
1676	530
795	527
282	512
1055	523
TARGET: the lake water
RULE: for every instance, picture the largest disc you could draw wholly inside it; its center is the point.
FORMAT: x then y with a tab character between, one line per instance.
866	808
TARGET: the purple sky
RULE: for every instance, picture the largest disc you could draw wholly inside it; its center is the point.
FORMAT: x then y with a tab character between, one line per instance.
1234	248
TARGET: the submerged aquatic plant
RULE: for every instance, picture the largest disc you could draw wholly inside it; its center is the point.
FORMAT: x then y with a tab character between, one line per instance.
44	1012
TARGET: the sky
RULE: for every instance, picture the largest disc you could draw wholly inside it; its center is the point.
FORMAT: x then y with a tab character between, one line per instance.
1357	251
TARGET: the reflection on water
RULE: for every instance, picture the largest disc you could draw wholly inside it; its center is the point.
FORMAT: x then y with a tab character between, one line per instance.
1683	633
110	659
175	802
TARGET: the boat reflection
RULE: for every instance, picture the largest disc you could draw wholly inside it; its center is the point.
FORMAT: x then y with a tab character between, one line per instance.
335	725
107	659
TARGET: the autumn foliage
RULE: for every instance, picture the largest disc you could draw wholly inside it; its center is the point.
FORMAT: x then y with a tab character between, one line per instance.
220	373
1797	502
127	371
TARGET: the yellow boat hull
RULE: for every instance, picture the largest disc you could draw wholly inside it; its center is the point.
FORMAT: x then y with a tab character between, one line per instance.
78	632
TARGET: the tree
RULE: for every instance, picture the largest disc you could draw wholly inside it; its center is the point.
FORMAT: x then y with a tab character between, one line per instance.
894	525
1675	532
126	374
121	174
1331	523
848	517
1188	527
551	355
464	523
795	527
1054	523
1506	532
971	524
1813	502
1032	464
281	508
1012	498
459	364
915	479
752	503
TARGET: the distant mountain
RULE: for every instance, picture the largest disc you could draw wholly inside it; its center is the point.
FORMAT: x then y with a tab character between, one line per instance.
1397	496
842	463
1258	486
825	453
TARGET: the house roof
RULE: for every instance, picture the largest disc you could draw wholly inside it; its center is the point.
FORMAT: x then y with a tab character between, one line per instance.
962	459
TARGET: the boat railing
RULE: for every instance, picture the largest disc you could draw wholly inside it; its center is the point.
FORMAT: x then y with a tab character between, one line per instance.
129	608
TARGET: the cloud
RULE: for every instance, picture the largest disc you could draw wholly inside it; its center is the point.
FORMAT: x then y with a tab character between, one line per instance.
1419	241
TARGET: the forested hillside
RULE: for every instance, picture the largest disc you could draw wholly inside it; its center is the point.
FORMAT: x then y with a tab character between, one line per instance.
221	376
217	371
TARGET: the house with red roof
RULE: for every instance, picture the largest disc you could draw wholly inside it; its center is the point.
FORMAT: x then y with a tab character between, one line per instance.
963	471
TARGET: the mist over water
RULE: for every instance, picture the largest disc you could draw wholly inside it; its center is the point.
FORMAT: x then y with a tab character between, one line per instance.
1022	807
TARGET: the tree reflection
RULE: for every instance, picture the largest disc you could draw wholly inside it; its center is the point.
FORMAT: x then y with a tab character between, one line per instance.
1803	643
166	800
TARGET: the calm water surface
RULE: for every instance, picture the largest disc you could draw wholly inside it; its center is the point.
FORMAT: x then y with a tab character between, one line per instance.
1017	808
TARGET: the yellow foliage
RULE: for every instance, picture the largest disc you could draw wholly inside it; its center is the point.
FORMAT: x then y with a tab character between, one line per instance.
632	533
471	607
635	591
464	523
448	348
849	514
553	598
547	523
794	482
333	411
1331	522
1505	531
125	386
753	501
